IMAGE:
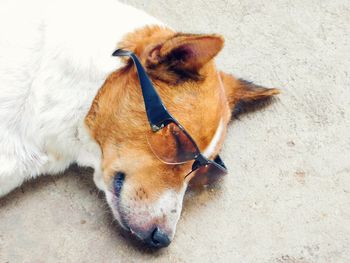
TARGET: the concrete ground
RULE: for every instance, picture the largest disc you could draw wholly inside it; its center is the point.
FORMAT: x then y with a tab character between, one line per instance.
287	197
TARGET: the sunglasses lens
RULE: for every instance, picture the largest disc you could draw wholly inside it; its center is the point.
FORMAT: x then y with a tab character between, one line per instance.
207	175
171	144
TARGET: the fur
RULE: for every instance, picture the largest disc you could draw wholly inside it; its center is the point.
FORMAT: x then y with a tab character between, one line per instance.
64	99
52	63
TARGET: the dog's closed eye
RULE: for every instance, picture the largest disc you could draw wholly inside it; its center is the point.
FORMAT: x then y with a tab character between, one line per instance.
119	178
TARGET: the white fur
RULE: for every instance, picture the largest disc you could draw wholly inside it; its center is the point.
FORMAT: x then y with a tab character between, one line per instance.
209	151
54	56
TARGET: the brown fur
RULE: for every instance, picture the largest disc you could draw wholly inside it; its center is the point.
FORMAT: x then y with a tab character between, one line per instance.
182	69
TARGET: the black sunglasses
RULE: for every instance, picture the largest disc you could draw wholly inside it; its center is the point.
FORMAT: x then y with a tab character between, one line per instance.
166	130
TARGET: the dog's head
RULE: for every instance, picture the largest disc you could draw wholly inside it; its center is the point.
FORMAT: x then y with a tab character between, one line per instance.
144	193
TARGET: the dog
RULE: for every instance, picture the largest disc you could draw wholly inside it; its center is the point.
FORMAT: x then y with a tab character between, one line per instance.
64	99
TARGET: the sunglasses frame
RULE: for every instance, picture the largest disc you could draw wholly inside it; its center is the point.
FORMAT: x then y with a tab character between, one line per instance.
158	116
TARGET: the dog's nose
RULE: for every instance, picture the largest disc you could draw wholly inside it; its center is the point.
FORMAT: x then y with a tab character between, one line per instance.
158	239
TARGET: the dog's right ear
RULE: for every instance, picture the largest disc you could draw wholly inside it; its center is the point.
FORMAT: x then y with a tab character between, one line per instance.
244	96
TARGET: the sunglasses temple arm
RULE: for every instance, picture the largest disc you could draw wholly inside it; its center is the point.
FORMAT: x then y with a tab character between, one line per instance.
195	166
155	109
190	173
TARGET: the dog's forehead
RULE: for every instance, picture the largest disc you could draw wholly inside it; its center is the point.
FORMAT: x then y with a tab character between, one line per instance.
199	106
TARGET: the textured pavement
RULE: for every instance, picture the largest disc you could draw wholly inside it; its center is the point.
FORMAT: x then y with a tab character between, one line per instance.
287	197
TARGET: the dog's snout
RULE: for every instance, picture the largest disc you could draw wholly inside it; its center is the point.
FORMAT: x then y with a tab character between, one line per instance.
158	239
152	221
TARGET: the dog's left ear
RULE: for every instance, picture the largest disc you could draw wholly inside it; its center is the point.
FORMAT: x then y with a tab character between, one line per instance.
244	96
182	56
191	52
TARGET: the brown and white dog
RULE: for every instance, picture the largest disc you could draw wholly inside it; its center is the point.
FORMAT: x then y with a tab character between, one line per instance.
64	99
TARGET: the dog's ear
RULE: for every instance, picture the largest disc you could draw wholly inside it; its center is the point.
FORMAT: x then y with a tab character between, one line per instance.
182	56
244	96
191	52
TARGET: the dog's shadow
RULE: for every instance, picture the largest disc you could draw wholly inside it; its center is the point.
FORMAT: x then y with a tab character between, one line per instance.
83	178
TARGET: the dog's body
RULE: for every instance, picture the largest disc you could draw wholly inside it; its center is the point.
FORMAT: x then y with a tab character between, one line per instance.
50	73
64	99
